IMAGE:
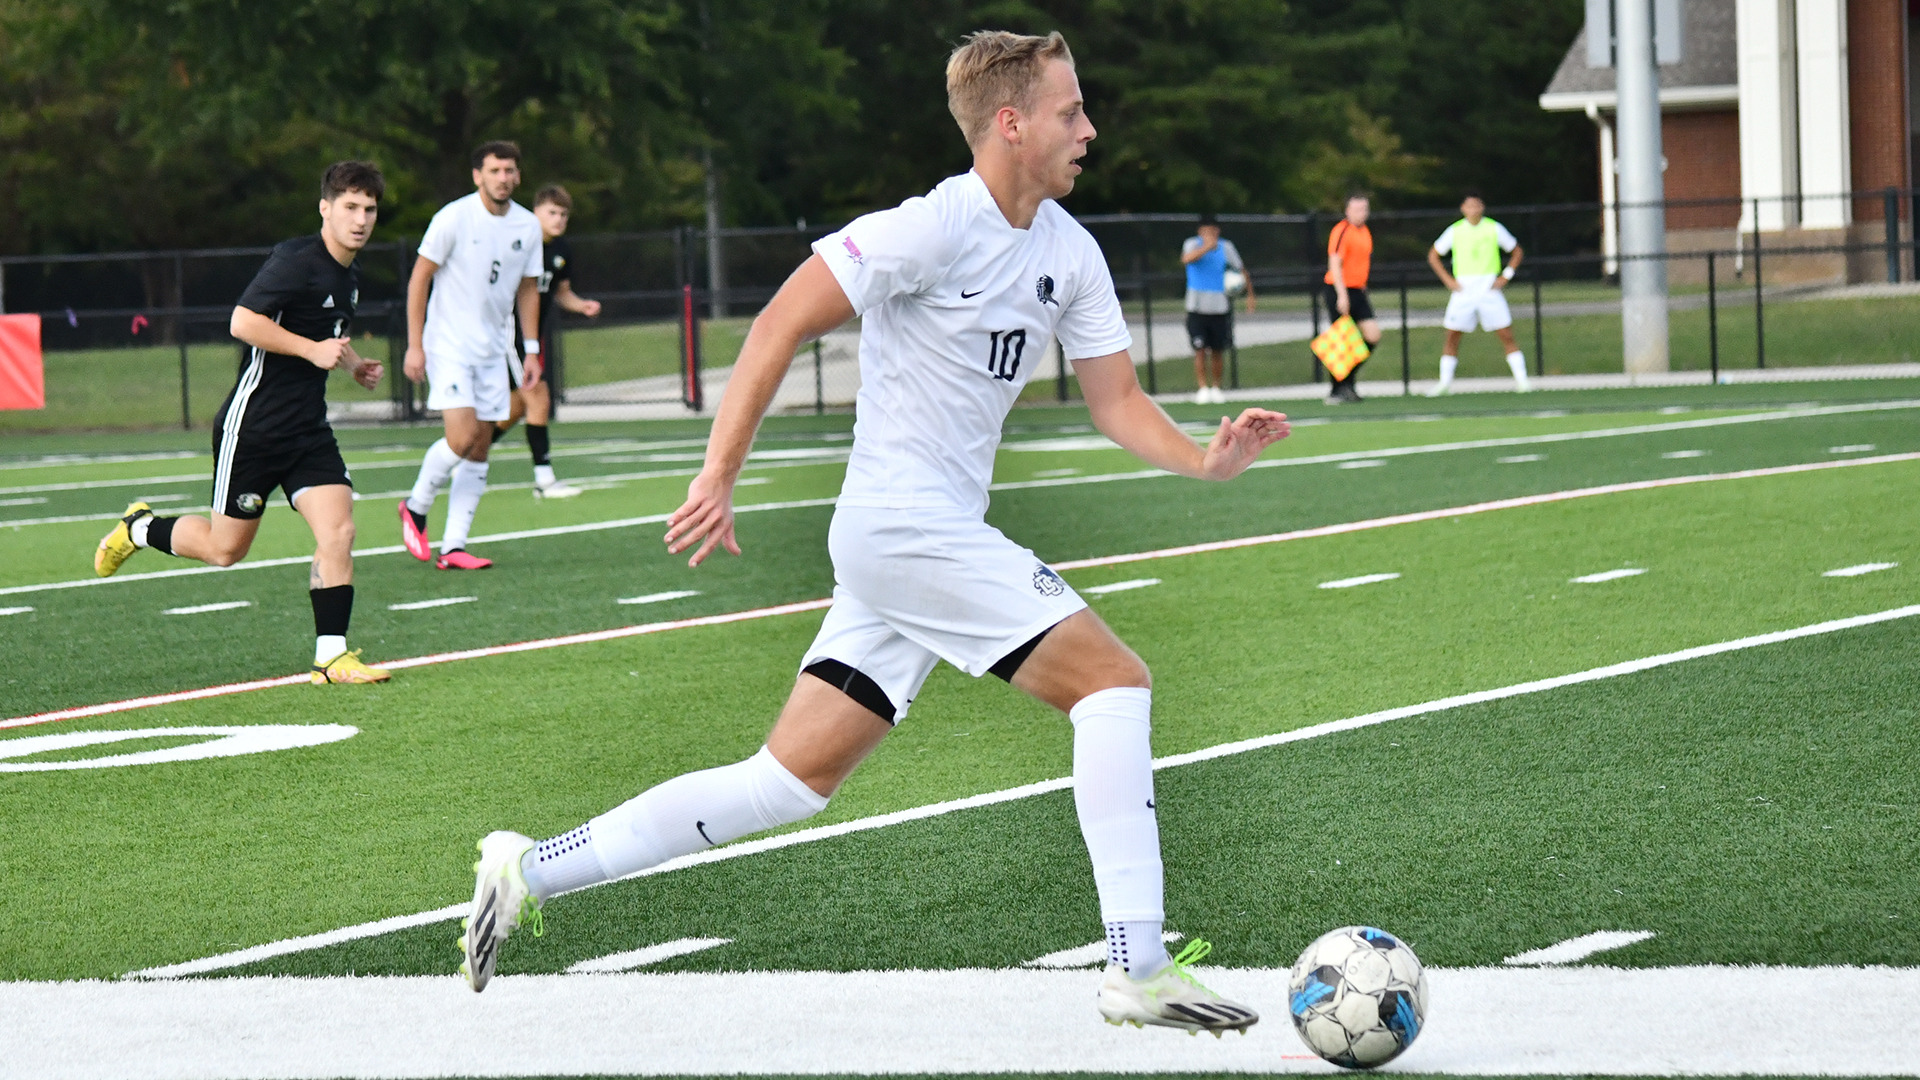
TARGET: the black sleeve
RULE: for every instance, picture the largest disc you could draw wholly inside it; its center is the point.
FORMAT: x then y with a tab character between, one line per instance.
563	272
277	283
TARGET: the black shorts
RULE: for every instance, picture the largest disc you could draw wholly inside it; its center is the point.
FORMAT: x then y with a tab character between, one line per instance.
1358	305
246	472
1210	331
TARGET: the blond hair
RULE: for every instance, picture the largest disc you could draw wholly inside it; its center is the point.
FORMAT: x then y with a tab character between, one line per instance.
994	69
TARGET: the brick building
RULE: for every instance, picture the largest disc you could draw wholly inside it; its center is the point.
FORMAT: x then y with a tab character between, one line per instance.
1794	116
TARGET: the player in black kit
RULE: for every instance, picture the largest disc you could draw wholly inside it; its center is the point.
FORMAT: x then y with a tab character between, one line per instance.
272	430
531	396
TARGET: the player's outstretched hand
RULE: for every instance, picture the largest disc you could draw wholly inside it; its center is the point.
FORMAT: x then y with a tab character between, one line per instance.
365	372
329	353
1240	441
705	518
415	365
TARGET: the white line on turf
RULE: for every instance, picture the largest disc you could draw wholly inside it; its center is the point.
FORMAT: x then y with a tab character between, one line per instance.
1852	448
1700	1021
1677	455
1606	575
1363	579
1119	586
219	742
1520	459
817	833
33	501
1363	463
659	597
1566	952
810	605
422	605
1850	571
14	610
1083	955
652	954
202	609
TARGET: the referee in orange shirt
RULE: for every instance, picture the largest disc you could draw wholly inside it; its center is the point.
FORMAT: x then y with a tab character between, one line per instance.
1349	257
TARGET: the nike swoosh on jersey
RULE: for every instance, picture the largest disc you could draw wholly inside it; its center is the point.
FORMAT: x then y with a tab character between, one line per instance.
964	295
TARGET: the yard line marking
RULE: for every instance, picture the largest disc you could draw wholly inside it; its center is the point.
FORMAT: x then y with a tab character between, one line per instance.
422	605
1477	508
31	500
1363	579
1520	459
55	461
1566	952
1845	571
1046	474
221	742
659	597
1065	783
14	610
1677	455
1364	463
652	954
202	609
1084	955
1606	575
1119	586
1852	448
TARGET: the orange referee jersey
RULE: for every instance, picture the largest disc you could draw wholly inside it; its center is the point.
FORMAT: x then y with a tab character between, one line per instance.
1354	244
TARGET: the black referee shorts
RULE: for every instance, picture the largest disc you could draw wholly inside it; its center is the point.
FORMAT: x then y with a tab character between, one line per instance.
1358	305
245	471
1210	331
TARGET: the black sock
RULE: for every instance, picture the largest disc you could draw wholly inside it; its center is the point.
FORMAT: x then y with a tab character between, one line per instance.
332	610
499	433
160	534
537	442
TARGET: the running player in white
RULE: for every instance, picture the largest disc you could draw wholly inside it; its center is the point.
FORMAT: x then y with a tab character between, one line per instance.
1478	285
955	289
481	258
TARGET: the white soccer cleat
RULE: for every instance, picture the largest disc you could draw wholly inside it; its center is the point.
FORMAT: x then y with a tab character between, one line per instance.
1172	998
559	489
1438	390
1201	397
1219	396
501	902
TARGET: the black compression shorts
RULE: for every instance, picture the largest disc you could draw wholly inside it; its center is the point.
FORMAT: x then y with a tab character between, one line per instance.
1210	331
246	470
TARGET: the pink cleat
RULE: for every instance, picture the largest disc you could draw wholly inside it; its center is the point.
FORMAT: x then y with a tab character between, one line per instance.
459	559
413	532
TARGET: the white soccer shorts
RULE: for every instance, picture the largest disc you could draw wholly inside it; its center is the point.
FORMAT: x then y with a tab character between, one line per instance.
1478	301
456	383
915	586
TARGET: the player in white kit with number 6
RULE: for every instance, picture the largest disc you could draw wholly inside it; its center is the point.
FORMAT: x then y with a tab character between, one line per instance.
960	292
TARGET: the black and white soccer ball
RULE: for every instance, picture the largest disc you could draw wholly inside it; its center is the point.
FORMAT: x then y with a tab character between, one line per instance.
1358	997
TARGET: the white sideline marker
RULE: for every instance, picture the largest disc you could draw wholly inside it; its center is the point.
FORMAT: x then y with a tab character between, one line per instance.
1520	459
1572	949
202	609
31	501
422	605
651	954
1120	586
1607	575
659	598
14	610
1086	955
1365	463
1676	455
1863	568
1852	448
1363	579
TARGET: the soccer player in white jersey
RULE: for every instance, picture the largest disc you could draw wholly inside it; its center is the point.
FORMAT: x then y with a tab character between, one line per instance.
481	259
960	292
1478	284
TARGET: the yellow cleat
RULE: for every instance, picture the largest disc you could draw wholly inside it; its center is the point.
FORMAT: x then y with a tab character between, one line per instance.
117	546
347	668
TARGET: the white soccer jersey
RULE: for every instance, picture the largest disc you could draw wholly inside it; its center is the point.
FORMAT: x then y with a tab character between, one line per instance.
959	308
482	258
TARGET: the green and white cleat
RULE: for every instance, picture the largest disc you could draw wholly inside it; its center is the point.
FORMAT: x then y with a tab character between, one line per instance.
1173	998
501	902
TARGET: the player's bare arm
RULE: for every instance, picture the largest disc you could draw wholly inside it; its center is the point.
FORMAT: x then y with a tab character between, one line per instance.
1339	274
526	303
1207	243
1440	270
571	301
1124	413
326	354
418	285
810	304
1513	264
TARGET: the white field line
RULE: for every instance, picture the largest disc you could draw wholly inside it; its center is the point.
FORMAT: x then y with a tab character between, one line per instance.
1363	463
1120	586
1479	508
422	605
202	609
1852	448
1042	787
659	597
1606	575
652	954
1084	955
1520	459
1364	579
33	501
1566	952
14	610
1845	571
57	461
1679	455
1077	564
1686	1021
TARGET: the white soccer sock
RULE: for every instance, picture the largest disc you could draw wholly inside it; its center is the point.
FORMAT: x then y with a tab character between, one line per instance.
1517	363
435	467
328	646
137	532
1113	793
543	475
686	814
463	501
1448	365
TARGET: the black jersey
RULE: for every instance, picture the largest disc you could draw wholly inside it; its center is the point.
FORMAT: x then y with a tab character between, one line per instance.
304	289
558	268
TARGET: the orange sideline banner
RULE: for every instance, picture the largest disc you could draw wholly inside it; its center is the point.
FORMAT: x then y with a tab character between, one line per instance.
23	380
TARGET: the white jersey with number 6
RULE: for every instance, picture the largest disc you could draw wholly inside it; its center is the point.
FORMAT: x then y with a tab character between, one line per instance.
482	257
959	309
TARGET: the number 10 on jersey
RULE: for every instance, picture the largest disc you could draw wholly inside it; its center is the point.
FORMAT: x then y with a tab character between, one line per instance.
1004	352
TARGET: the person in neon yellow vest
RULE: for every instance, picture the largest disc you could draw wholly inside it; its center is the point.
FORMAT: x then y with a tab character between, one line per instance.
1477	283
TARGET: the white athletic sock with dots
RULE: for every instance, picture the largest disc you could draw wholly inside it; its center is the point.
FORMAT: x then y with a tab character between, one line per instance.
1517	363
1448	365
435	467
1113	793
686	814
463	501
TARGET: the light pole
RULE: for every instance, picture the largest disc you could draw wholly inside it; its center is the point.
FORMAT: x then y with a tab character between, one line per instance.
1643	216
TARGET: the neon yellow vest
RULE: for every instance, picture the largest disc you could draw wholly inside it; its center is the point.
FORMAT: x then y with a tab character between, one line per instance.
1476	248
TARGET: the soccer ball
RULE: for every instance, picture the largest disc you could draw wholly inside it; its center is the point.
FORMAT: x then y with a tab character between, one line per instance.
1358	997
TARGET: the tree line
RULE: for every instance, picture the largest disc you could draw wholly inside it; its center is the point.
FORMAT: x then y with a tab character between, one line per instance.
181	123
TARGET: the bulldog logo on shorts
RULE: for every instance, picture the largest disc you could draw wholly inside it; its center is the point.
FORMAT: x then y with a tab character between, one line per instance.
1046	582
249	502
